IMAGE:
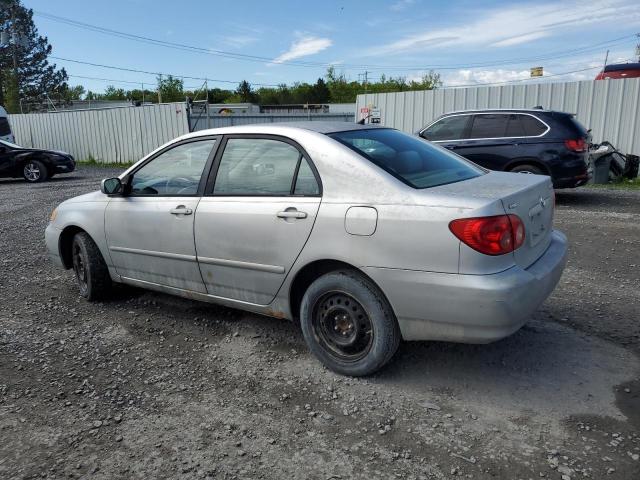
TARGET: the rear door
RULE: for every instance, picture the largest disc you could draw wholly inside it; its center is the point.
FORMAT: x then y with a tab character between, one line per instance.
257	214
489	144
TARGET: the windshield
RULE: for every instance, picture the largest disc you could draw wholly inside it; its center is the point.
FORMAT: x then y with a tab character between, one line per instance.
414	161
9	144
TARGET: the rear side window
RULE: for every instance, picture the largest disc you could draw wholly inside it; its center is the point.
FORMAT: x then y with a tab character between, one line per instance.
514	126
264	167
489	126
532	126
448	128
415	162
4	127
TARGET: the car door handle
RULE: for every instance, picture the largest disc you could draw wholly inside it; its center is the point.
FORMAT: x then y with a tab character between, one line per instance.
451	147
291	214
181	210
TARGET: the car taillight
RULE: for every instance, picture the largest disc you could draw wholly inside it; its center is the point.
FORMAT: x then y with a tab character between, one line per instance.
576	145
495	235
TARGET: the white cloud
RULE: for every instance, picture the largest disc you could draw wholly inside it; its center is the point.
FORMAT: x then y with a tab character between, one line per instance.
401	5
303	47
521	23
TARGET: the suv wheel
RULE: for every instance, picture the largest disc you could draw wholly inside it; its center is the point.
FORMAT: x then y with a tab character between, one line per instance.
348	324
90	268
526	168
34	171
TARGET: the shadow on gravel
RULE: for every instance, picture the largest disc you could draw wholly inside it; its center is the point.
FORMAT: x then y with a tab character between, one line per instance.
63	179
538	368
585	197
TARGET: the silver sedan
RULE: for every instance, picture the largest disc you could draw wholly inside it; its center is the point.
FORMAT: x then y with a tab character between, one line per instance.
364	235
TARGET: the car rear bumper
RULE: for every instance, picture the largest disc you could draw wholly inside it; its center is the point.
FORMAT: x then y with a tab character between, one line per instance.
52	241
470	308
571	182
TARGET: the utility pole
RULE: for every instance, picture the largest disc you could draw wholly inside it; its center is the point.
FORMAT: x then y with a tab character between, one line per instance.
638	47
159	92
142	93
365	78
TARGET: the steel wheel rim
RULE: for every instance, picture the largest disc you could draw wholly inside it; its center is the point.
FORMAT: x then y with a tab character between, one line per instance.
32	171
79	267
342	326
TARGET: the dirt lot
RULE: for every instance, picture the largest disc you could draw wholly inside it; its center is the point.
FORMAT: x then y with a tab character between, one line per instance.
151	386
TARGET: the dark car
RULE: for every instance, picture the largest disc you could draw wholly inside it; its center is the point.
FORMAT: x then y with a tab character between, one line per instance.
33	164
542	142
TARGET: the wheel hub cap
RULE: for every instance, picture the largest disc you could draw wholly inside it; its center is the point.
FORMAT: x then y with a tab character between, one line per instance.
342	326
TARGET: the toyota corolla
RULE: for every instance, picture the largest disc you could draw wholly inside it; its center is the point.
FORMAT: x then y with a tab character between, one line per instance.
367	236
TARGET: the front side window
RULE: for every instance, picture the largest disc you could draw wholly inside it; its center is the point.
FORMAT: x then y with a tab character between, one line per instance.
176	171
449	128
261	166
415	162
489	126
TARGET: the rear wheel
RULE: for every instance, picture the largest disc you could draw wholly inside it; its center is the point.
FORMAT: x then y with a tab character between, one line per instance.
527	168
90	269
34	171
348	324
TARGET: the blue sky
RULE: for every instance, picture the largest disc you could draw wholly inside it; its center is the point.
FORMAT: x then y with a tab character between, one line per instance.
467	42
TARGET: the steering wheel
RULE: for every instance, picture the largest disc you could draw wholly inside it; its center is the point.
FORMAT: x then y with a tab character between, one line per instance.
182	183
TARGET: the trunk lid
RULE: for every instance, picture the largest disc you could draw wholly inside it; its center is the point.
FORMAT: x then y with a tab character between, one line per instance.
530	197
534	205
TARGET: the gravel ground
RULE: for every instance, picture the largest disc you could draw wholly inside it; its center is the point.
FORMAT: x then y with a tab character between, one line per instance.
151	386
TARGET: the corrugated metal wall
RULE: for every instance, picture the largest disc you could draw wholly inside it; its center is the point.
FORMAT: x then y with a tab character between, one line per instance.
216	121
609	107
115	135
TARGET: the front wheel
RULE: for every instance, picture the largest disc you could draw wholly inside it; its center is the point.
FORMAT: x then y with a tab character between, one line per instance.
348	324
90	269
34	171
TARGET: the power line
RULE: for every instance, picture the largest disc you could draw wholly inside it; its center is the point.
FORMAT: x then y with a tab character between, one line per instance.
134	70
132	82
523	79
261	59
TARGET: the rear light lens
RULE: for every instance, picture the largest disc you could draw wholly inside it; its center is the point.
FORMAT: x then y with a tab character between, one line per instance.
576	145
495	235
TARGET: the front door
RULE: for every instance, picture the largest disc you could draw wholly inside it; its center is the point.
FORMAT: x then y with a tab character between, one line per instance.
150	229
252	225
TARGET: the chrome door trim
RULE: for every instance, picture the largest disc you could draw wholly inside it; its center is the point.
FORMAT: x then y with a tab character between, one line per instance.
238	264
153	253
485	113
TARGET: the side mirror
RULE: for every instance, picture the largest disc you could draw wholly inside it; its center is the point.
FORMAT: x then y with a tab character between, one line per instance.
111	186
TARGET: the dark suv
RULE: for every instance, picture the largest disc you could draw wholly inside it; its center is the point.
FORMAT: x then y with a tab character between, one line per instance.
537	141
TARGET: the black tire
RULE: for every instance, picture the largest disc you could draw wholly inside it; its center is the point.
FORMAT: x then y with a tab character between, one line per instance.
34	171
90	269
527	168
337	311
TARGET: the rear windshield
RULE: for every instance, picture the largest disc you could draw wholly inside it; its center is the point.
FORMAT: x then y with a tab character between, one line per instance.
573	125
414	161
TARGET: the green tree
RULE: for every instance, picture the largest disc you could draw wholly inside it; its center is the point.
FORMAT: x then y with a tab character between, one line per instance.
113	93
245	93
25	59
171	89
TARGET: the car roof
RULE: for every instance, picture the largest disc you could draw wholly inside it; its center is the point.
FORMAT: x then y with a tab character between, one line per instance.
282	127
502	110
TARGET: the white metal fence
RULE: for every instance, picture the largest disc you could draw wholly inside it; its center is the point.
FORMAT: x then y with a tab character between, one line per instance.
609	107
115	135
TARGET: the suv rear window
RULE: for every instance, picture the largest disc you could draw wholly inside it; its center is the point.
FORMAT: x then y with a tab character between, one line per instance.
415	162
